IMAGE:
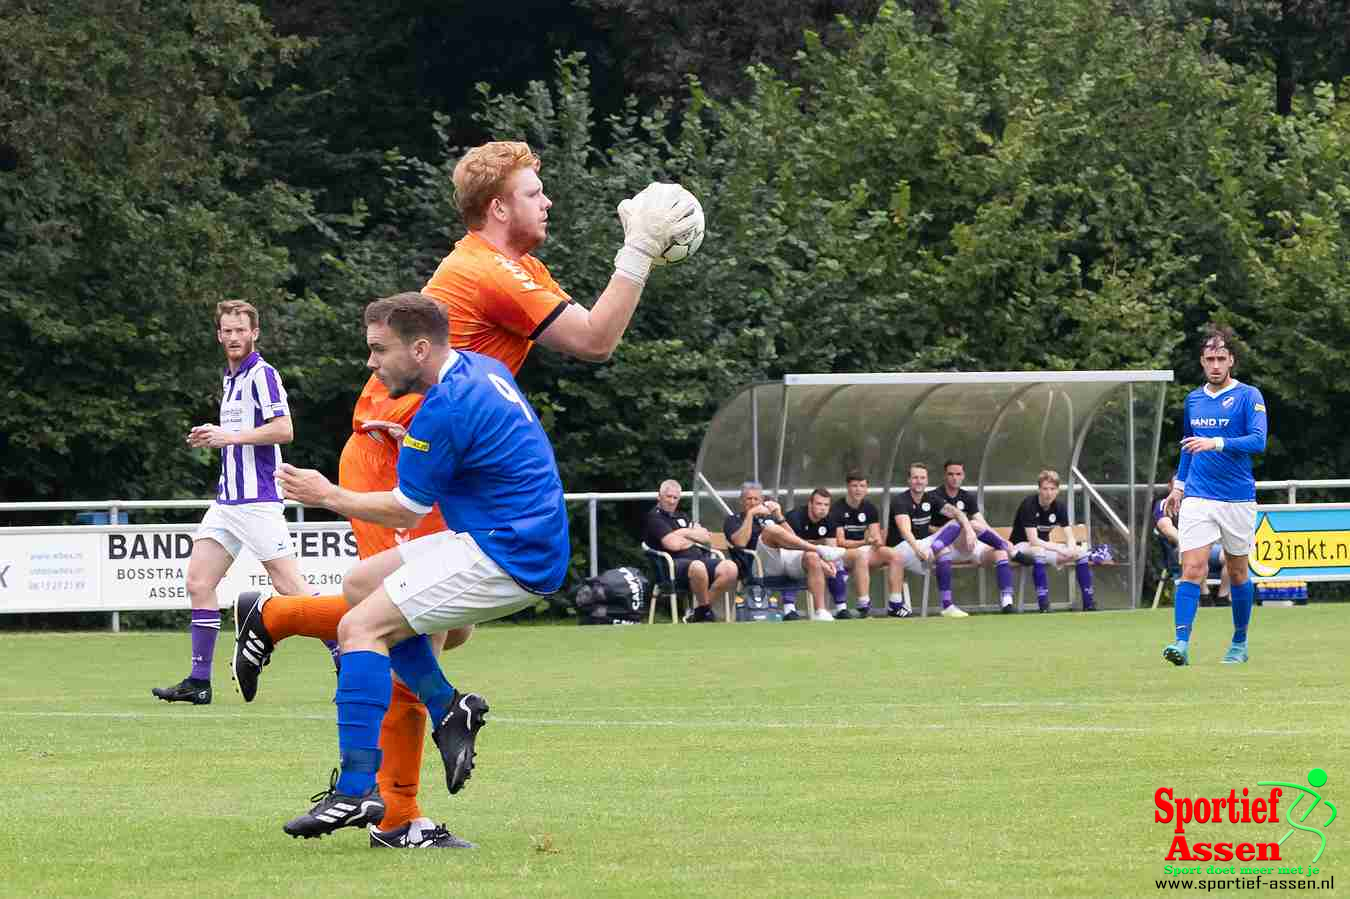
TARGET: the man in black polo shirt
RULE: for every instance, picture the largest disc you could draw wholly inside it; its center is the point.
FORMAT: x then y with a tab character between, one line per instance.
667	529
813	524
857	528
761	528
913	539
980	545
1036	517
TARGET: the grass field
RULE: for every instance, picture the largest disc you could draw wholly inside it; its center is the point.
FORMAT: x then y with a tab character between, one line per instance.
997	756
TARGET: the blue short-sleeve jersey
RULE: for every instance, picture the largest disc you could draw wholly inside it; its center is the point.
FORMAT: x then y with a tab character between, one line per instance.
477	450
1238	415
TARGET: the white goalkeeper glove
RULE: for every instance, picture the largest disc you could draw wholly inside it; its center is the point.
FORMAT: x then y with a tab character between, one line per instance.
650	221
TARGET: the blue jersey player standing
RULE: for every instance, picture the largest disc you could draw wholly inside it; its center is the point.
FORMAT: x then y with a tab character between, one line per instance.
1225	424
475	449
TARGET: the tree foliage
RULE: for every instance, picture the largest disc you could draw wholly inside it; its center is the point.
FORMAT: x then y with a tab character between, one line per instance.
123	218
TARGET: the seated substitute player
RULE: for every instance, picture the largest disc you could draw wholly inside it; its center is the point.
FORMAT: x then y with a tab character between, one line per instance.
1224	425
247	511
477	450
1036	517
500	300
761	528
665	528
1166	526
979	543
813	524
857	528
913	541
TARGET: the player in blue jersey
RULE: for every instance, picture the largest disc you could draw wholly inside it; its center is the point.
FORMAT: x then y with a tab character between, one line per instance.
1224	425
477	451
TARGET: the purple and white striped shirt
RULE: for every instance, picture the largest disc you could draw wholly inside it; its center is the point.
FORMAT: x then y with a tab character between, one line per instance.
253	396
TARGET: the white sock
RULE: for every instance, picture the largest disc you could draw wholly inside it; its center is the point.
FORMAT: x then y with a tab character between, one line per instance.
789	607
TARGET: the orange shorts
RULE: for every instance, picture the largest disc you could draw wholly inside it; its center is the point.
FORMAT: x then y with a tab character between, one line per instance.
369	464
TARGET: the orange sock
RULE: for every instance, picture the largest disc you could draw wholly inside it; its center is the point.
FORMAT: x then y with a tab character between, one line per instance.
303	616
401	739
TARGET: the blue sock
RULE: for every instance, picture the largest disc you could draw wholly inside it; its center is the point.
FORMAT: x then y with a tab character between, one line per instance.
416	666
1184	605
1241	595
362	698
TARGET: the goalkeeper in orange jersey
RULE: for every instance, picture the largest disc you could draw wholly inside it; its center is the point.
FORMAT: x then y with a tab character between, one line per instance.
501	301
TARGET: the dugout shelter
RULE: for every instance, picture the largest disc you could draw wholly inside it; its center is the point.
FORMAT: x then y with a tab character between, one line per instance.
1101	431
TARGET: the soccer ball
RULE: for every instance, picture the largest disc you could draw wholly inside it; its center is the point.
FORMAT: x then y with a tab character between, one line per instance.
686	243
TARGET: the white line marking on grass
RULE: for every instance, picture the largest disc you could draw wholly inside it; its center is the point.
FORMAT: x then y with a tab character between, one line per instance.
604	723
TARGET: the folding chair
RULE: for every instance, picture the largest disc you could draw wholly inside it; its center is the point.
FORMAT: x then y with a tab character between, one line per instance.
752	573
661	564
1170	569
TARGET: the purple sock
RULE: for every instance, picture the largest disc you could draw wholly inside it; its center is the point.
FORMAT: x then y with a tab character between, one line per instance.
944	579
945	537
1004	570
1084	581
205	629
1041	579
838	585
789	597
991	538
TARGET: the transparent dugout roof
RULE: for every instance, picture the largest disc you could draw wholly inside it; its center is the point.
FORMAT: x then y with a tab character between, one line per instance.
1098	429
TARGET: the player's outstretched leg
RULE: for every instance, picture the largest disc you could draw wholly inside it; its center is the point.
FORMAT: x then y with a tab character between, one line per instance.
334	810
454	735
458	716
252	643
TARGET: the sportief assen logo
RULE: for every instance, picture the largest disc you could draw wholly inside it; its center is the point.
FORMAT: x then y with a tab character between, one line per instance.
1282	808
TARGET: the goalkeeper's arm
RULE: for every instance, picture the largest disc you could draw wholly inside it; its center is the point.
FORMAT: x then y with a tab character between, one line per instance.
649	219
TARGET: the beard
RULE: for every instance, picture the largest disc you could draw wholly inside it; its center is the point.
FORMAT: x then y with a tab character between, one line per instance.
524	238
401	385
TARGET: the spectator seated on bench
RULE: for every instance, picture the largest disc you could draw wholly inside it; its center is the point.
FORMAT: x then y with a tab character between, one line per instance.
681	557
1168	539
1037	517
979	543
910	537
817	523
778	554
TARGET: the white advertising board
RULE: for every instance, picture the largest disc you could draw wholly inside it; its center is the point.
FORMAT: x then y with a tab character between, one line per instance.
130	567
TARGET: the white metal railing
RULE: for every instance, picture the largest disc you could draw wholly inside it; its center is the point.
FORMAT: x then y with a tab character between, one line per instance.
593	500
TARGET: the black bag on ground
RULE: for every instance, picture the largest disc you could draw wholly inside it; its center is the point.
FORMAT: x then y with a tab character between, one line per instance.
617	596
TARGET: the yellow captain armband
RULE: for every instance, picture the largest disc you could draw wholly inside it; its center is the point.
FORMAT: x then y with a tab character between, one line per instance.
412	442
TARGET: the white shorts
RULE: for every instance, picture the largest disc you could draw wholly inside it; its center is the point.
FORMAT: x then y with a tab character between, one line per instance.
446	582
781	562
1206	521
259	526
977	555
1055	554
908	559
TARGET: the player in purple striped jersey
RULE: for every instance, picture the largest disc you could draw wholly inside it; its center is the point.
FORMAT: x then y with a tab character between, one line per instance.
248	512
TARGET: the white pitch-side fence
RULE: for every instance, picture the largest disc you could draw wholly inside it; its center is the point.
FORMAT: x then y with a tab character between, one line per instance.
123	567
